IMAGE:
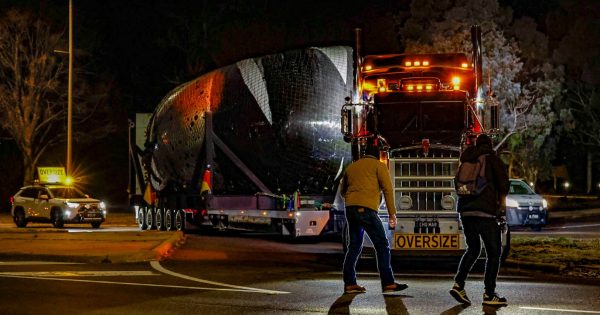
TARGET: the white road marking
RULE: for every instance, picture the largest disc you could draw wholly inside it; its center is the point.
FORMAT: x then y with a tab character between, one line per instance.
31	263
558	310
156	265
132	284
79	273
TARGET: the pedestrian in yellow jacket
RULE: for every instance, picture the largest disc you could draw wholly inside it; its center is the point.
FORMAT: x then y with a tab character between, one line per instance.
363	183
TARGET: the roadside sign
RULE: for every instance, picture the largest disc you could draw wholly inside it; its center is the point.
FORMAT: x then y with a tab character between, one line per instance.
51	175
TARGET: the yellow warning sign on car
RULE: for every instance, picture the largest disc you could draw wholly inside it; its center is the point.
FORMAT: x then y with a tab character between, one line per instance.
51	175
426	241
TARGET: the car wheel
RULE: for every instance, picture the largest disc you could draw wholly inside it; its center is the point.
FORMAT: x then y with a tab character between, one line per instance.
150	222
141	218
169	220
96	225
160	216
57	218
19	218
180	220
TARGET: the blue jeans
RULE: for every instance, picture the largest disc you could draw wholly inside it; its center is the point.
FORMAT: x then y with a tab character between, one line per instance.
488	230
360	220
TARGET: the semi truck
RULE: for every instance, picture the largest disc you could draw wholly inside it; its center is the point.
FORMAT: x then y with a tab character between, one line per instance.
253	146
421	111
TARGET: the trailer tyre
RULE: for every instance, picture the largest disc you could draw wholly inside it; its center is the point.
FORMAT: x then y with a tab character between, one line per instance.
150	219
180	220
160	219
141	218
169	225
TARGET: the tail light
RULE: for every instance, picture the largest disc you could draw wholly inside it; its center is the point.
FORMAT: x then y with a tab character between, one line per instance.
12	200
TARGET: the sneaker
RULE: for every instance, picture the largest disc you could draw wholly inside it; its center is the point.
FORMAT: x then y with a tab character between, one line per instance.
395	287
355	288
459	294
494	300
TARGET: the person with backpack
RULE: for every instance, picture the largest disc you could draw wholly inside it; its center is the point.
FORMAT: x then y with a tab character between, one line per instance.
480	204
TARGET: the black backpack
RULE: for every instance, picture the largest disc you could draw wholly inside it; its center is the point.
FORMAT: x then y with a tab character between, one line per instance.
470	178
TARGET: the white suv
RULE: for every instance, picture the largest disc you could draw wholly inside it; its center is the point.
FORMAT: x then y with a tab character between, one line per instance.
58	204
524	207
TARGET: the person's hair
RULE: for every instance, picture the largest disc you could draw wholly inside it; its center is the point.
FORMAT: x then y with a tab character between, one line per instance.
483	140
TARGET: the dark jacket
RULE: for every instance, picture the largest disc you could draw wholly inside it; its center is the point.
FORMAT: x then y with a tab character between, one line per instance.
491	200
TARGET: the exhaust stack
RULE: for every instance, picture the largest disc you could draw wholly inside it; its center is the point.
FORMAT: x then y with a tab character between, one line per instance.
358	65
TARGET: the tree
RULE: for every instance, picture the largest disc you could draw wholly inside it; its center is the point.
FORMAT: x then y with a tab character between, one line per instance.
33	90
525	84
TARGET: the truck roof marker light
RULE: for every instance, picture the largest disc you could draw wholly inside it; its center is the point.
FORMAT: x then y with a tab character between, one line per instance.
464	65
410	87
408	63
426	63
428	87
419	87
417	63
368	67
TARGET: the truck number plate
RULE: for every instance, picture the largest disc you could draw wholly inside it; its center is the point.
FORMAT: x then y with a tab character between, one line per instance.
426	241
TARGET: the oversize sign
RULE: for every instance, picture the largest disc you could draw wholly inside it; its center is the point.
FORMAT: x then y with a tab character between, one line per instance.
426	241
49	175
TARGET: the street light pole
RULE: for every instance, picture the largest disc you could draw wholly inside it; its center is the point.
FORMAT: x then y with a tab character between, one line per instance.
70	90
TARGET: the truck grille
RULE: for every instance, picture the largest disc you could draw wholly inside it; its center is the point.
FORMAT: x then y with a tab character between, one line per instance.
426	180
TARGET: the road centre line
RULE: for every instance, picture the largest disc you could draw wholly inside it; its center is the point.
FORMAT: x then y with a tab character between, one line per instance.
132	284
80	273
156	265
558	310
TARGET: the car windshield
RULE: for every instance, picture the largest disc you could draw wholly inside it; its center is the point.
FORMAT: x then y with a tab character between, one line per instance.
67	192
520	188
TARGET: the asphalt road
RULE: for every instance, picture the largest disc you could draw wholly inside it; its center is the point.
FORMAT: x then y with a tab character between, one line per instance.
214	274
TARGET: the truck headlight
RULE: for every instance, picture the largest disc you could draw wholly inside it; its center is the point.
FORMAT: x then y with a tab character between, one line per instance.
544	204
102	205
448	202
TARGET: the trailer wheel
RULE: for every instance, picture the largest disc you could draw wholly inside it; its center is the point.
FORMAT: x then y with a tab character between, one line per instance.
160	216
180	220
141	218
169	220
150	218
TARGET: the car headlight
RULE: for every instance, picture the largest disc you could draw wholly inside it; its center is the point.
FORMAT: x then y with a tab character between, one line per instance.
544	203
511	203
72	205
102	205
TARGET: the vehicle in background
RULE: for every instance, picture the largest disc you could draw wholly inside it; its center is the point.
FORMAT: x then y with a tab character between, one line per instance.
50	200
524	207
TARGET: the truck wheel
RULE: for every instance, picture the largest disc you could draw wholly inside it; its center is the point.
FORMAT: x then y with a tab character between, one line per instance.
160	216
57	218
141	218
150	222
19	218
169	226
96	225
179	220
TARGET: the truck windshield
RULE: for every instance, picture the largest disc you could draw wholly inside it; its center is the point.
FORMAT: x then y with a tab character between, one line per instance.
67	192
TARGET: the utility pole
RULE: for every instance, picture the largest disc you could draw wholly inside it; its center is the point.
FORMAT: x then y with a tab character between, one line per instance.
70	90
